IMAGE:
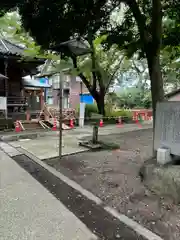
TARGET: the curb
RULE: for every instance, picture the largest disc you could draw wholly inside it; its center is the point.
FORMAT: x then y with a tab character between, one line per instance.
140	230
27	135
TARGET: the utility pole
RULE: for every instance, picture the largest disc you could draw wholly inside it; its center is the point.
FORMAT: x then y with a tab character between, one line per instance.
75	47
60	113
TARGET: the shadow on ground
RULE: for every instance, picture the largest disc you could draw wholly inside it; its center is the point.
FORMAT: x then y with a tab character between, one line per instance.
113	176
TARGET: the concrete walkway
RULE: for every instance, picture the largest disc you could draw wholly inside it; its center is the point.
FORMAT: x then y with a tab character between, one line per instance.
48	146
29	212
85	131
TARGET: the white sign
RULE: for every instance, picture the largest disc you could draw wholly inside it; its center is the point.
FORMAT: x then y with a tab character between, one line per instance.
3	103
81	114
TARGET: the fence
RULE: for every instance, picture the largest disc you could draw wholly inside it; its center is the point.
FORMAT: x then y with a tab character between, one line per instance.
145	114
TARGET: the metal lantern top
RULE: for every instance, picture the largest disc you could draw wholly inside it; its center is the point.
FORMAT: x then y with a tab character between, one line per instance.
77	47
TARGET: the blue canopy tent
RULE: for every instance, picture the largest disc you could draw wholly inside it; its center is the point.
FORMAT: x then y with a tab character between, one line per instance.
28	82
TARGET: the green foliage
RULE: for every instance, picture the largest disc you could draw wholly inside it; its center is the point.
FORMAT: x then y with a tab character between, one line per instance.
127	34
11	28
121	113
107	65
47	20
113	116
170	65
89	109
130	98
139	30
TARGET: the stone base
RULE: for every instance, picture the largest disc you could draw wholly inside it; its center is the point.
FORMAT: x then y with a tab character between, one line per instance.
101	145
162	180
90	145
163	156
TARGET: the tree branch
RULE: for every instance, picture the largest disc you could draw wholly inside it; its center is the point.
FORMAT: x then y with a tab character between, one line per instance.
136	68
93	59
111	60
156	25
114	73
81	75
140	19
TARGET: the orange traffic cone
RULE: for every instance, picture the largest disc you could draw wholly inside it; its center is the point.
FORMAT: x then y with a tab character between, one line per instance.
119	123
54	128
101	124
17	126
71	123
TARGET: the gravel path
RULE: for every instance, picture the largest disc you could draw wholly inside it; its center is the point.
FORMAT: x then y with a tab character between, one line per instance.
113	176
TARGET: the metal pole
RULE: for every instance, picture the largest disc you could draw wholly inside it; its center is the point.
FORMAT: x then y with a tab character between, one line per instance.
81	89
6	86
60	113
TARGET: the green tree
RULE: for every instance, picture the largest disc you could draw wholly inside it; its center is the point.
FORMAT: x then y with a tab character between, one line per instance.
170	65
107	65
11	29
99	71
134	97
140	31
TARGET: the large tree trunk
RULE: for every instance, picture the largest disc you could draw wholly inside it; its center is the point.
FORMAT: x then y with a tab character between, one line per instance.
153	56
157	90
101	104
155	74
99	97
151	41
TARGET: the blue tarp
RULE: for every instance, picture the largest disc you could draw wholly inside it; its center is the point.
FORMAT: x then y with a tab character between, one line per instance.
86	98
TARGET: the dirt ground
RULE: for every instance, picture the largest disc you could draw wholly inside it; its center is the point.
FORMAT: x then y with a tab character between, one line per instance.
113	176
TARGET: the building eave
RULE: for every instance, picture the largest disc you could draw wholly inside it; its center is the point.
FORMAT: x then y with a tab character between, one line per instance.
172	94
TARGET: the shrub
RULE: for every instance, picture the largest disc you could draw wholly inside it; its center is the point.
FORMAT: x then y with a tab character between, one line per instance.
126	116
89	109
122	113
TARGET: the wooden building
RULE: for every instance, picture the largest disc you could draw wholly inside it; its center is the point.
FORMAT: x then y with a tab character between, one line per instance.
14	64
34	92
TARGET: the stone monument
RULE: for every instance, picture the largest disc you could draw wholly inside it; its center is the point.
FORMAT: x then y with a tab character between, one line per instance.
165	181
167	127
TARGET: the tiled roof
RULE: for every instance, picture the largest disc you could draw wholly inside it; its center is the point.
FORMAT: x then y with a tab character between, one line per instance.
172	94
9	48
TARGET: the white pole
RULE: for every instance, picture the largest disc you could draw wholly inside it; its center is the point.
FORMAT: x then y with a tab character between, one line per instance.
60	113
81	114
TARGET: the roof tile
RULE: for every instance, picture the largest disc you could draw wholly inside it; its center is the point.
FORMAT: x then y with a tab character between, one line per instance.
9	48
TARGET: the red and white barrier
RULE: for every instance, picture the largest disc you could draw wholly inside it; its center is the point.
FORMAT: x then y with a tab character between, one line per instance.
54	128
17	126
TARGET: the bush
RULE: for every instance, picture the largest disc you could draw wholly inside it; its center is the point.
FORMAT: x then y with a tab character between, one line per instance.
111	116
121	113
89	109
